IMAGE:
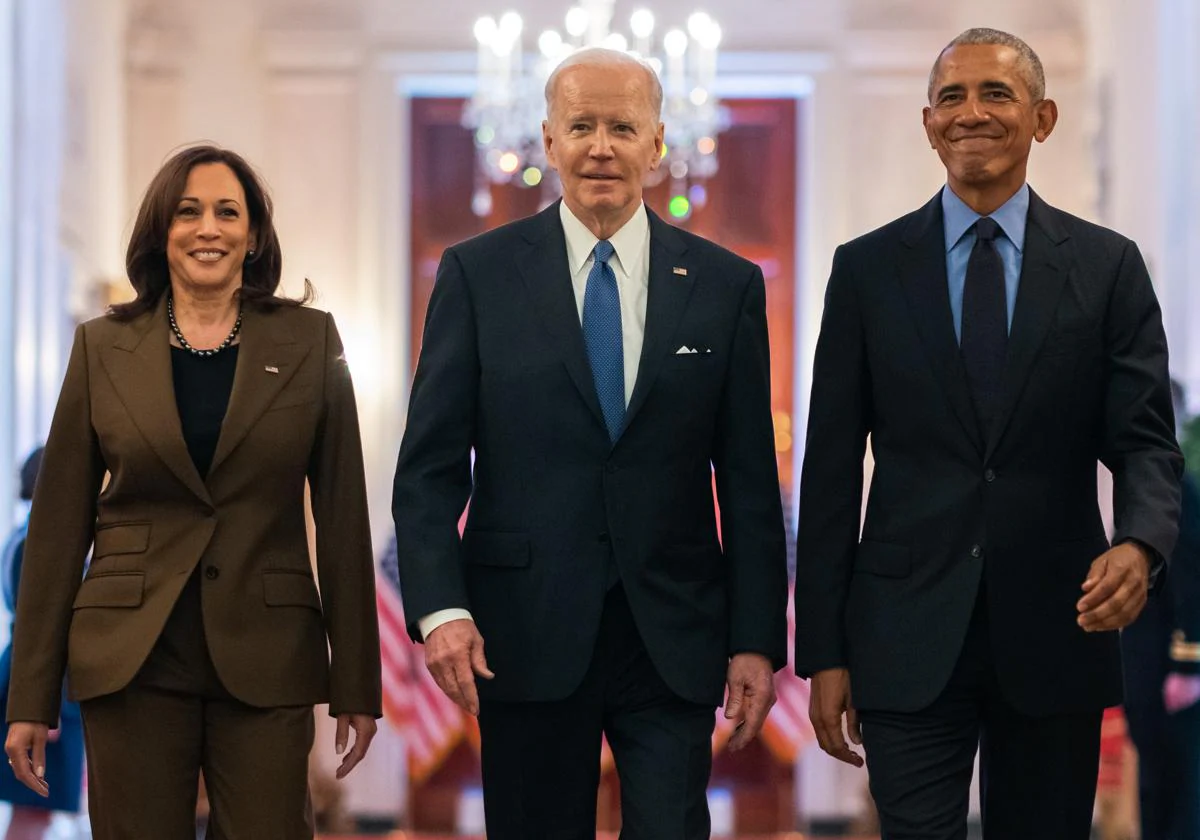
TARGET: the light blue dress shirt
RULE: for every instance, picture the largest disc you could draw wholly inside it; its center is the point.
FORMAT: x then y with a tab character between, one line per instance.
957	219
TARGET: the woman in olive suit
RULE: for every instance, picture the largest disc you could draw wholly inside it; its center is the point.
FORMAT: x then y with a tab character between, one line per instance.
199	638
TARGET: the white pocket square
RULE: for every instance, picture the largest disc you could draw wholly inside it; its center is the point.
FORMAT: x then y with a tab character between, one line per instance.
684	350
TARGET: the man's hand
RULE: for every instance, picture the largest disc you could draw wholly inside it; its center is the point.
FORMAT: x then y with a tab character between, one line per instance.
1180	691
454	655
751	694
364	730
26	748
1116	588
829	699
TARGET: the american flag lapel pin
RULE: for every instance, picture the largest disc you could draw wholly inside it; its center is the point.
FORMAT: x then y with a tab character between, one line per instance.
680	270
272	369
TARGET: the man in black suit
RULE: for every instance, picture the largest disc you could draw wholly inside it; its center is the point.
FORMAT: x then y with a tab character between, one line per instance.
994	349
1161	652
602	366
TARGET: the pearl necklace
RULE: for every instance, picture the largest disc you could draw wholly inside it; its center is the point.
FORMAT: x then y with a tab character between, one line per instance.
183	342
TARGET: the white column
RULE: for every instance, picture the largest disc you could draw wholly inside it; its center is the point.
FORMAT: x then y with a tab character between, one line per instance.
106	152
7	276
41	325
1178	86
1147	62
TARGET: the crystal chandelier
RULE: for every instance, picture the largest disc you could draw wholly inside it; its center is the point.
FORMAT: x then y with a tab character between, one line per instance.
508	107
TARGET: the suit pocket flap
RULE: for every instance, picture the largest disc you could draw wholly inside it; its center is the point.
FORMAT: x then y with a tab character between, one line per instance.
123	538
290	589
884	559
508	549
111	590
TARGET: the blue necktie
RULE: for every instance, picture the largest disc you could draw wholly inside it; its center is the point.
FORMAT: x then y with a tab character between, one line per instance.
602	334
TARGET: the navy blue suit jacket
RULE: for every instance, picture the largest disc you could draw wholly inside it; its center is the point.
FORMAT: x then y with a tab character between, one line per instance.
1085	381
503	373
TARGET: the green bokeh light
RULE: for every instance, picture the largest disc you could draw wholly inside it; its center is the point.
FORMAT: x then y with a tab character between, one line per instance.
679	206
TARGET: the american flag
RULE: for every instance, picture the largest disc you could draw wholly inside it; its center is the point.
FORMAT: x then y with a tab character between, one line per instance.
412	702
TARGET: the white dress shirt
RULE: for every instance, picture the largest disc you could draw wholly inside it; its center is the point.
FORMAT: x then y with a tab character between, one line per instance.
630	263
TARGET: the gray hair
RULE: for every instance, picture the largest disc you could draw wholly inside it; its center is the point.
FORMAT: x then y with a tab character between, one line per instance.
602	56
1028	63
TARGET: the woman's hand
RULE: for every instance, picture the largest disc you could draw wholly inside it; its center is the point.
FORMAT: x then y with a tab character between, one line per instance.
364	731
26	748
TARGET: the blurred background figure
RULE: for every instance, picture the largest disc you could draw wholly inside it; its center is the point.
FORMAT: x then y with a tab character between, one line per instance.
1161	651
31	813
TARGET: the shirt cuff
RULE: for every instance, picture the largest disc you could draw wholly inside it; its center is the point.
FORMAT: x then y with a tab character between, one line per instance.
435	620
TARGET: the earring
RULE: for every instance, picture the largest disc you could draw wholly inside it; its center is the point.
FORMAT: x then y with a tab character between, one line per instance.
250	254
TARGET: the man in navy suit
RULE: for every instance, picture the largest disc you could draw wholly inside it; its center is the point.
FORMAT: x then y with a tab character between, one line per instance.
994	349
602	366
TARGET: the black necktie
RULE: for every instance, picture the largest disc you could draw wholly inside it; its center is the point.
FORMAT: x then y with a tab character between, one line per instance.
985	323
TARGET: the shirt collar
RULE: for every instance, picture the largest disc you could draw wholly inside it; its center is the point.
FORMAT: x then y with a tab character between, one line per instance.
627	242
1011	216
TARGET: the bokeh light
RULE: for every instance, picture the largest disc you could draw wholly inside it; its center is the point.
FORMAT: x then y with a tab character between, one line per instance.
509	162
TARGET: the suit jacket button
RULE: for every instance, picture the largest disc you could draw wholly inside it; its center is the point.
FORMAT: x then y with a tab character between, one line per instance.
212	573
989	475
976	551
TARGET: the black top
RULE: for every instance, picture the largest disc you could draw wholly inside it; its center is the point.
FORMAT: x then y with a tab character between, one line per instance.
202	388
180	660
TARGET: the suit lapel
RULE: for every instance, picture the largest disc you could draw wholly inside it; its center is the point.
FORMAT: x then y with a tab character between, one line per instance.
268	357
922	269
1042	280
666	302
543	266
139	366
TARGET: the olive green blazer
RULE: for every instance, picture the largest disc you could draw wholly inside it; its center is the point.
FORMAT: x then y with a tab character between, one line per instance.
274	639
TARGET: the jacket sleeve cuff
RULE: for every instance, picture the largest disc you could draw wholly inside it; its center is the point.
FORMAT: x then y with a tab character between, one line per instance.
1158	563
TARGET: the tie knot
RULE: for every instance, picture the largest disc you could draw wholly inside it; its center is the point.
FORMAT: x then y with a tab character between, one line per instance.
603	251
986	228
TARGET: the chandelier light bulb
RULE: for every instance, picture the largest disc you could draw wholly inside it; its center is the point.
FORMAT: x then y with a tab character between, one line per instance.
675	43
641	23
577	21
616	41
485	30
710	39
698	25
510	26
550	43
